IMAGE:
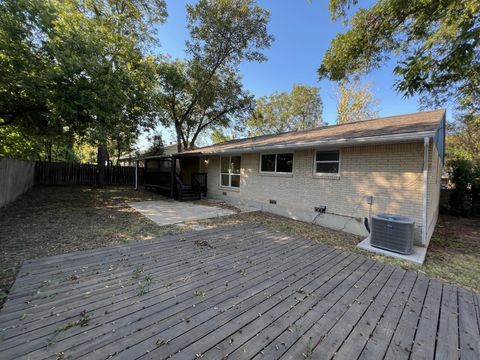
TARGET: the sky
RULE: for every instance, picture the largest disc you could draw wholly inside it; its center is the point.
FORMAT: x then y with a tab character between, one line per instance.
303	31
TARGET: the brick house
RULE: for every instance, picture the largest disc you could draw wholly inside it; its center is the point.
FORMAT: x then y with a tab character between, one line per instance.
351	171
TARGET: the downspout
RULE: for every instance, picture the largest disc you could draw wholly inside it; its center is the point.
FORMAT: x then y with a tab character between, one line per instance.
426	143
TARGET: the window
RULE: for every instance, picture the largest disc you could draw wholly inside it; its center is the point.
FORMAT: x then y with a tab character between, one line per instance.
327	162
276	163
230	171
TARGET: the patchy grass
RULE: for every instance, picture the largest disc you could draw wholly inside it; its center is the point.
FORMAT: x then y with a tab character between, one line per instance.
54	220
454	251
144	285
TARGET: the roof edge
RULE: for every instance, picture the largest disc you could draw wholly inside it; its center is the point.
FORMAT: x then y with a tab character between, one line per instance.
442	111
396	138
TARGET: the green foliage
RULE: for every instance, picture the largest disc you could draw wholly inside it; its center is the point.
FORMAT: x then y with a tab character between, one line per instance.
355	102
300	109
436	44
219	135
144	285
222	102
157	146
78	67
137	271
462	173
205	91
45	143
309	349
463	140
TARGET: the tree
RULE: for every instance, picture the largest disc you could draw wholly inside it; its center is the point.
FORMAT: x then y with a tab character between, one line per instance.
463	140
222	103
205	91
300	109
157	147
355	102
220	135
436	44
78	65
24	66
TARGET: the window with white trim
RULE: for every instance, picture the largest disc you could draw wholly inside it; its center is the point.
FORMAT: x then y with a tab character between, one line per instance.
327	162
276	163
230	171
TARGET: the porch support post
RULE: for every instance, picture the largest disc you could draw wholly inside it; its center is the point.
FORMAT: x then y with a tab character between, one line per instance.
136	174
172	176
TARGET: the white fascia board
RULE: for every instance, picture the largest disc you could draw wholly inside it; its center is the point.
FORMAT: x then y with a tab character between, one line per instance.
396	138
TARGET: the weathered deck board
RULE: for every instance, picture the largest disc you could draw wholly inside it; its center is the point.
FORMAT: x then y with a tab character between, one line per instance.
125	287
447	339
467	319
152	298
402	341
255	293
424	343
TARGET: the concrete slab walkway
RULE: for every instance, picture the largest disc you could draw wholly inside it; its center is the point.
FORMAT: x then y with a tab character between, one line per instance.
168	212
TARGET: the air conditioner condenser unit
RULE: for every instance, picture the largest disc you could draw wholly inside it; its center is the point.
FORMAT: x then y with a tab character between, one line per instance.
392	232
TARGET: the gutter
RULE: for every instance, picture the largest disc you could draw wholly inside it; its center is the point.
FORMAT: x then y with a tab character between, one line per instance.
315	144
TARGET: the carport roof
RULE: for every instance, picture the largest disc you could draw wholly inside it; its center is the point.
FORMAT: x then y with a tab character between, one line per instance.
387	129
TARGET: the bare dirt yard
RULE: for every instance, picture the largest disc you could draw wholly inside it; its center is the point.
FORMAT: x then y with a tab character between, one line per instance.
54	220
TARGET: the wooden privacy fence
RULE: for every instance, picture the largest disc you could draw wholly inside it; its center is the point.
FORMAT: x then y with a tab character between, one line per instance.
16	177
84	174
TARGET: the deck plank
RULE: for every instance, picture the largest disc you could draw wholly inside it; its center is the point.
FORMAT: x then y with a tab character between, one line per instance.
380	338
354	341
425	337
126	286
402	341
225	332
116	275
342	292
151	299
468	331
191	308
257	293
447	338
277	318
328	333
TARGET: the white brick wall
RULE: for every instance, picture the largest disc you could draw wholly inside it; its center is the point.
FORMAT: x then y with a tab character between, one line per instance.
392	174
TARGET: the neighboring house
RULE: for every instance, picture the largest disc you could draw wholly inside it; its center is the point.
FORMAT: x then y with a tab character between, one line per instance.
130	159
170	149
385	165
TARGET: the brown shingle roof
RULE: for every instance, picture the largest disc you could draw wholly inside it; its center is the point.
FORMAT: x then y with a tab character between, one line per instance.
393	125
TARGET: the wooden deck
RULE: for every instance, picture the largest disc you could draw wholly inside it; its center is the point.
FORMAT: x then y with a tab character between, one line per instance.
238	292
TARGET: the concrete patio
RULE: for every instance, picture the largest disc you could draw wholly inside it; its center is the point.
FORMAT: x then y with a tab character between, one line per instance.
242	292
169	211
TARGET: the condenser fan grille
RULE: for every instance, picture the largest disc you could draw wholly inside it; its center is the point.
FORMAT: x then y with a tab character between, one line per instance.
392	232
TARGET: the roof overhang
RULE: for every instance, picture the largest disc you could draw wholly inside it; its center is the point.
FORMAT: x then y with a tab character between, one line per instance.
140	158
394	138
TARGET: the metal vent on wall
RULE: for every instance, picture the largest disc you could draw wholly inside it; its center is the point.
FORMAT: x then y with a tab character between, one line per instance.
392	232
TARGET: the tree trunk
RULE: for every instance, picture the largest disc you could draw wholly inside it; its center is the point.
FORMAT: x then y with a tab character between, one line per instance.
102	157
48	151
119	152
179	138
